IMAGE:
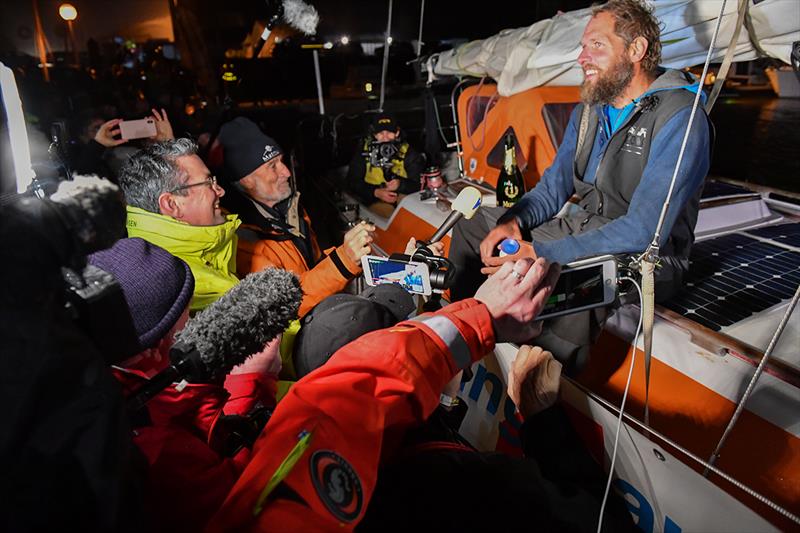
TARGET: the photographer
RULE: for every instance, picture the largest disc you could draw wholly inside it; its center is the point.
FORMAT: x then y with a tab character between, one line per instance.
385	167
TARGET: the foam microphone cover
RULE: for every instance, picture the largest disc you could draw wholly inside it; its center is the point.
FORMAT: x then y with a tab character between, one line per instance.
300	16
243	320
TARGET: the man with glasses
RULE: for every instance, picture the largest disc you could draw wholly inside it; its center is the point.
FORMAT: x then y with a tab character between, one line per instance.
173	202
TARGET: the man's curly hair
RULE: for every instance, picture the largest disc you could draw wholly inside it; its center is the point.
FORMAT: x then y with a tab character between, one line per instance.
635	18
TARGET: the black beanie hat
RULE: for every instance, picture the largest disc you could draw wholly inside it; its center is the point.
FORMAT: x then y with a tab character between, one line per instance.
245	148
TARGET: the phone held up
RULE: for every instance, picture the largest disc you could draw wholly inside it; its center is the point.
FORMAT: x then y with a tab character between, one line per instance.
412	276
137	129
583	285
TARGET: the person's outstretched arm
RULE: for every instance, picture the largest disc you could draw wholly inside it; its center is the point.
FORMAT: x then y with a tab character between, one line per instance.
315	465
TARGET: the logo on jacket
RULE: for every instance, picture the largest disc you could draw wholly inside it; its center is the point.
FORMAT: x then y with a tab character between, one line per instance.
337	484
635	140
270	152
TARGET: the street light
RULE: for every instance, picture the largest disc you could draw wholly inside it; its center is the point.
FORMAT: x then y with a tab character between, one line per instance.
68	12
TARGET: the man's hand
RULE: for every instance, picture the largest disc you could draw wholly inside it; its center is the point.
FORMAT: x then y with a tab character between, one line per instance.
106	133
437	248
534	380
494	238
386	195
393	184
267	361
515	294
357	241
163	127
493	264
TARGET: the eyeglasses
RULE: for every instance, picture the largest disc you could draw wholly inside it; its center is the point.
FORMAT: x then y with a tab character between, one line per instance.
211	181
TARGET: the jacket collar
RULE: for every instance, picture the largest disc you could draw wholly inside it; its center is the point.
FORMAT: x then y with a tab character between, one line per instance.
180	238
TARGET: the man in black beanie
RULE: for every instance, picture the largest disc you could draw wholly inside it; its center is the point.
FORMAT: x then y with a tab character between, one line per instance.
276	231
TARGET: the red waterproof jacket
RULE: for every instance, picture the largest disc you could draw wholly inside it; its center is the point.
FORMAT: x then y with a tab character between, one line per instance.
315	465
187	480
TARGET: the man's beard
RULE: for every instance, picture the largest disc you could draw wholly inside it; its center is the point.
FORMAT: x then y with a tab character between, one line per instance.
609	85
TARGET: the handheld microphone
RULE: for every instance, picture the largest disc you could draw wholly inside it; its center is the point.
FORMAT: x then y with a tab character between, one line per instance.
228	331
465	205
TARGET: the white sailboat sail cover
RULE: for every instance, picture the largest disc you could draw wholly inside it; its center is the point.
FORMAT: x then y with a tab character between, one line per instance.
546	52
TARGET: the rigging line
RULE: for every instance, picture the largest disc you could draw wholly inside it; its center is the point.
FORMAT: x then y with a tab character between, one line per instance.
621	408
738	484
439	121
421	17
722	73
756	375
653	248
386	45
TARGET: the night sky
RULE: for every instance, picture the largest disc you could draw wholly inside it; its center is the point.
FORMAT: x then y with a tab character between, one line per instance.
142	19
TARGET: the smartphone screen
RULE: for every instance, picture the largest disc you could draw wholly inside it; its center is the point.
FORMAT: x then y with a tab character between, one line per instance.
578	289
413	277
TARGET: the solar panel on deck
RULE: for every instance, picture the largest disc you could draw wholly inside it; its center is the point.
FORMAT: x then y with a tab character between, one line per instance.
735	276
716	189
788	234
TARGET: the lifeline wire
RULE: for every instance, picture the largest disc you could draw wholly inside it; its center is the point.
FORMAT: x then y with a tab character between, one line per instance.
663	216
386	44
621	407
757	374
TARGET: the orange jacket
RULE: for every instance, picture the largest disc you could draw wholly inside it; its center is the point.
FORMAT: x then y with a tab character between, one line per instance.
258	250
315	465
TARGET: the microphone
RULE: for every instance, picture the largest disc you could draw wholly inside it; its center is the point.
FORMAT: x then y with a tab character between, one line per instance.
465	205
227	332
295	13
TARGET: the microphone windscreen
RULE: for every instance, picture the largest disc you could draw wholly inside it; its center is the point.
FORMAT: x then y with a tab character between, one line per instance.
301	16
94	210
243	320
467	202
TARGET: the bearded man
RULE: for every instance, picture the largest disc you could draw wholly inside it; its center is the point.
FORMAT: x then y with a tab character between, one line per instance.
618	156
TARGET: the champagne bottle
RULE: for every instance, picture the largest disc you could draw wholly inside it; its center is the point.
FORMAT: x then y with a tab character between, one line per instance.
510	185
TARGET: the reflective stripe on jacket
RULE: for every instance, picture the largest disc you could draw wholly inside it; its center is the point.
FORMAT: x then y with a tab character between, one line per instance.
335	420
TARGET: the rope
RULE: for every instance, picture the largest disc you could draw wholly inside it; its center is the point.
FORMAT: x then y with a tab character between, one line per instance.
621	410
386	45
722	73
647	317
738	484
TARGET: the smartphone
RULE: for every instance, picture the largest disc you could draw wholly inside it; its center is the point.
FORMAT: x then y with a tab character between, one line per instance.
583	285
412	276
137	129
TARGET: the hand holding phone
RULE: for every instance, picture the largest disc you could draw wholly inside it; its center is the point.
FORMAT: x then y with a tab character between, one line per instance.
583	285
138	129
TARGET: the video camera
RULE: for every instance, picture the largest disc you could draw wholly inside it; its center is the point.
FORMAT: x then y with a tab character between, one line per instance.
57	234
381	154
